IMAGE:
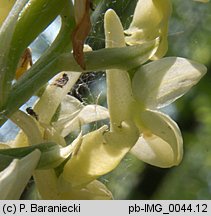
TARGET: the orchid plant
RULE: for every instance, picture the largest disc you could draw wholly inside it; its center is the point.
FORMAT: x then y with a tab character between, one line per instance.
136	90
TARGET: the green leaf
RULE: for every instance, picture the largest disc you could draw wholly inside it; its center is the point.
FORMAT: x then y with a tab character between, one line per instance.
51	155
35	17
5	8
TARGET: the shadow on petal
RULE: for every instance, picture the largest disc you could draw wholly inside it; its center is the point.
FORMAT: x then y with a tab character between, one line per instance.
155	151
160	142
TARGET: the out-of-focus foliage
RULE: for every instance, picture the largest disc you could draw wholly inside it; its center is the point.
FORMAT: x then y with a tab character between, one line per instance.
190	30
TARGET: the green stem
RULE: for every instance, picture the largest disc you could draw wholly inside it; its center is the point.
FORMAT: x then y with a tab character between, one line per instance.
61	43
33	19
6	33
124	58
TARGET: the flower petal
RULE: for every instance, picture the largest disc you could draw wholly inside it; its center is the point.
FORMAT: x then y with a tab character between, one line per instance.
73	115
98	153
160	143
30	127
119	91
53	95
59	189
161	82
70	107
15	177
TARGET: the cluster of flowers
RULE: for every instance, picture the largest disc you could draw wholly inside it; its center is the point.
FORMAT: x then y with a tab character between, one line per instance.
70	170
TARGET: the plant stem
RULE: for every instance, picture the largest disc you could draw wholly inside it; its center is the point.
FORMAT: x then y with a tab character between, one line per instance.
32	19
124	58
61	43
6	33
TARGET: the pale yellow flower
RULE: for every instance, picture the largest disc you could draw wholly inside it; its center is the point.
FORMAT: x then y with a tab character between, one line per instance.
150	20
136	124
